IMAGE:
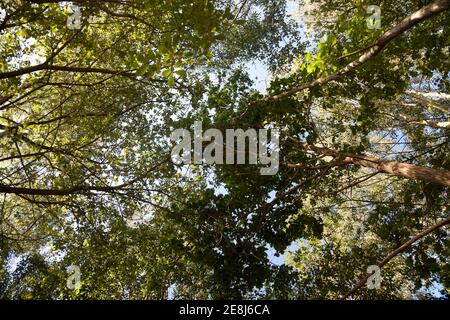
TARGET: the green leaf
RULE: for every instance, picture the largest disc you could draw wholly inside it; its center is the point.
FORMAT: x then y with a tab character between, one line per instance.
171	81
166	73
181	73
311	67
142	70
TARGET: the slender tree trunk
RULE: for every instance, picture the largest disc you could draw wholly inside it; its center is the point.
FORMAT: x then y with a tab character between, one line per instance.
397	251
401	169
396	168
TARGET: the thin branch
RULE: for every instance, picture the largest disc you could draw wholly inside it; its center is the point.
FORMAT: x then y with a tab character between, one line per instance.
394	253
420	15
73	190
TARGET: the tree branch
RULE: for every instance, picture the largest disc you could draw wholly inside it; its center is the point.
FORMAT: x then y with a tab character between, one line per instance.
396	168
73	190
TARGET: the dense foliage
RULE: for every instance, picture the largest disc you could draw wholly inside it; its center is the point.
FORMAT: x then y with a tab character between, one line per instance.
86	177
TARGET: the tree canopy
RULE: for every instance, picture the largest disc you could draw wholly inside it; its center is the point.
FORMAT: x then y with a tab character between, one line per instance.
87	178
